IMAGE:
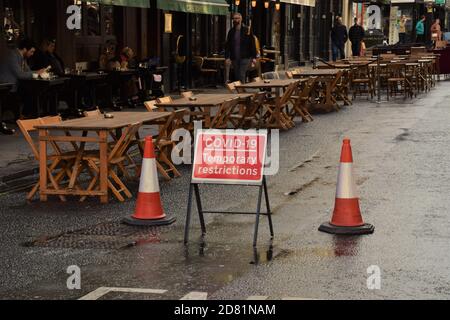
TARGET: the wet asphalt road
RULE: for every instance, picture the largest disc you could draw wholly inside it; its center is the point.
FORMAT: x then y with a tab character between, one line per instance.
401	159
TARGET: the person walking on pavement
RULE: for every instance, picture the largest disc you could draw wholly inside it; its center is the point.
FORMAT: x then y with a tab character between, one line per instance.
420	30
339	37
402	29
356	35
240	48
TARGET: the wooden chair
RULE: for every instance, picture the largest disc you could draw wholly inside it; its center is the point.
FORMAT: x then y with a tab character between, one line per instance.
274	115
199	65
361	82
150	105
59	161
301	101
163	144
116	159
92	113
222	117
187	94
397	81
166	99
232	87
251	116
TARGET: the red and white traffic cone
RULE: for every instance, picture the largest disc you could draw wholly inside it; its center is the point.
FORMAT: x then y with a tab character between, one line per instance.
149	211
347	217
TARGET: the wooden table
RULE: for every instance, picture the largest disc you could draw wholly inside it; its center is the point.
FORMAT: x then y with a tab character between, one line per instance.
204	103
44	90
278	119
85	82
328	77
99	125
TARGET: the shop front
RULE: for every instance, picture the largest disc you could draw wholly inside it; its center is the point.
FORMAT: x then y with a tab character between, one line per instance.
189	31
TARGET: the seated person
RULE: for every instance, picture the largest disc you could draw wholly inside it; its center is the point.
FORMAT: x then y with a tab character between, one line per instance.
14	67
47	57
107	60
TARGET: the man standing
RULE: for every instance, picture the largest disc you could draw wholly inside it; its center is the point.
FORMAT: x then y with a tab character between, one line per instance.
240	48
356	35
339	37
420	30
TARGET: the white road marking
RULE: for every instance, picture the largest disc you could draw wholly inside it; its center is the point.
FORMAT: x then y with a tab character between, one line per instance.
100	292
196	296
258	298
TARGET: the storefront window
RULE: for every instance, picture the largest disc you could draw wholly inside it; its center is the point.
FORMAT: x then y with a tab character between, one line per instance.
93	19
108	12
11	25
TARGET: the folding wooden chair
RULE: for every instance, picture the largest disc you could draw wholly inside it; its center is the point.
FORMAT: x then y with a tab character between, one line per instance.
92	113
163	144
252	113
232	87
150	105
301	101
222	117
187	94
116	159
59	161
274	115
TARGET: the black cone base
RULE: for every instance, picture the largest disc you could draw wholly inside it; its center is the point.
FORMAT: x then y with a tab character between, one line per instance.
147	223
364	229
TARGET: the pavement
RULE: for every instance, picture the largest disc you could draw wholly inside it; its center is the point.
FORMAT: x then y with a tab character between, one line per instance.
400	150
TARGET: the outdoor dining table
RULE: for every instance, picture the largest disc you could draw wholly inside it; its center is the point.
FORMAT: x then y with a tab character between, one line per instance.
44	92
328	78
85	82
278	119
203	103
101	127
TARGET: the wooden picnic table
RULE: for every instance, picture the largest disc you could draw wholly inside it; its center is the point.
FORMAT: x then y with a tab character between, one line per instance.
203	103
278	119
101	127
329	77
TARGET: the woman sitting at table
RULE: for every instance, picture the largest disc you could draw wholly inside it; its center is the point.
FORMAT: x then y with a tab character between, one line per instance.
129	90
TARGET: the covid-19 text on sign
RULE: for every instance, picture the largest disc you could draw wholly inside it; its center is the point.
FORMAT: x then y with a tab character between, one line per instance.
229	157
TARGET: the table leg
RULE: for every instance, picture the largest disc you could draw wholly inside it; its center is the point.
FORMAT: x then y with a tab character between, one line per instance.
43	165
104	165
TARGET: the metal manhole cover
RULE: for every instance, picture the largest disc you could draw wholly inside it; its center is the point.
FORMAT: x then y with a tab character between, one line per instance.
111	235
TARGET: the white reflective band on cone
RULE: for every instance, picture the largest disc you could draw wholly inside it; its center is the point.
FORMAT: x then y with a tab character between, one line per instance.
149	176
346	188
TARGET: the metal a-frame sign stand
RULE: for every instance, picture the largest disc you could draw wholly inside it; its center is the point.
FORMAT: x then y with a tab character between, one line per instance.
194	189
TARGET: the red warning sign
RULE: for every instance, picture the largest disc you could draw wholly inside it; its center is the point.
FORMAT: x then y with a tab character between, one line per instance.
229	157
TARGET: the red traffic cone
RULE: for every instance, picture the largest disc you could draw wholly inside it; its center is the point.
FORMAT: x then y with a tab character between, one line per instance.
347	217
149	211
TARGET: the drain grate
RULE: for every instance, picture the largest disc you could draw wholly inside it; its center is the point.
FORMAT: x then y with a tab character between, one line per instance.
111	235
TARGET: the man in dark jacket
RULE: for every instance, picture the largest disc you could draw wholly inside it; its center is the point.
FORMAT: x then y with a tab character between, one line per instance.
356	35
240	48
338	39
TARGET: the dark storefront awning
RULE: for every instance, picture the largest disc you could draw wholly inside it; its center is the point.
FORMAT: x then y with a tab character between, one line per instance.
216	7
124	3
